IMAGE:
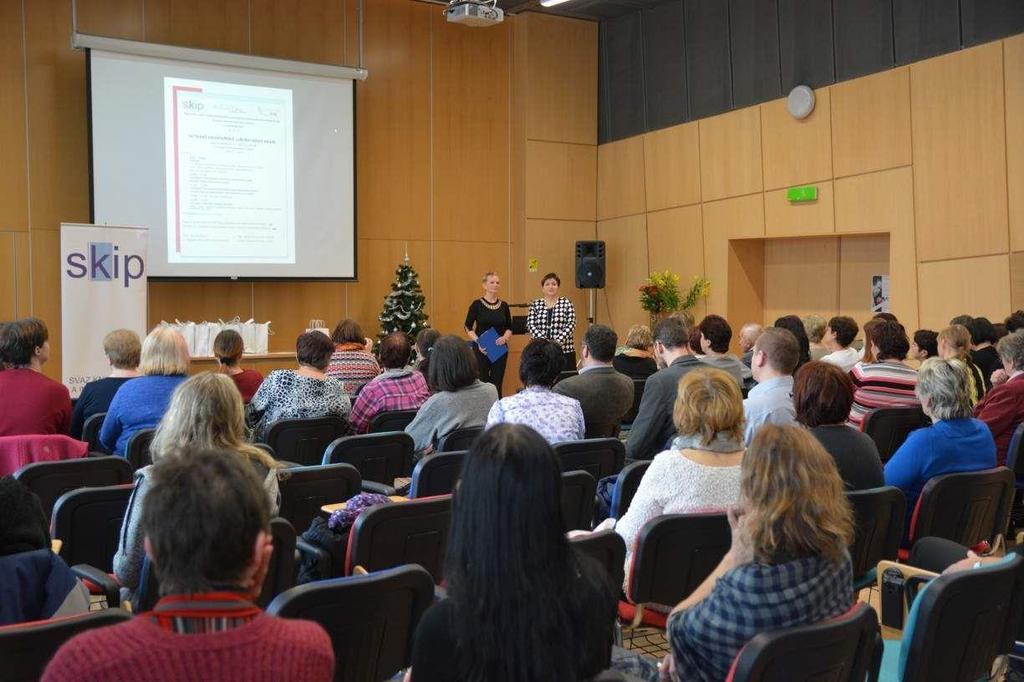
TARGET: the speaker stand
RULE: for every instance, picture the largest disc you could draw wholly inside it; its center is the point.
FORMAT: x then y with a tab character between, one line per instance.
590	307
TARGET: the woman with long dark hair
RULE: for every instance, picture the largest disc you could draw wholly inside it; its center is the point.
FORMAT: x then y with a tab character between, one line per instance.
521	604
795	325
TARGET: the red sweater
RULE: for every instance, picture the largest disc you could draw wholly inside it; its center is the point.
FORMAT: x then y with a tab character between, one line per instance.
266	649
248	382
32	404
1002	409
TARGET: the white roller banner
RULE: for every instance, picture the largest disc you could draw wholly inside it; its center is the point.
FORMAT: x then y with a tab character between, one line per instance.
103	287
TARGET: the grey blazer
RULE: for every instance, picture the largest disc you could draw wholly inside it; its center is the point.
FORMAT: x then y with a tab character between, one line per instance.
605	395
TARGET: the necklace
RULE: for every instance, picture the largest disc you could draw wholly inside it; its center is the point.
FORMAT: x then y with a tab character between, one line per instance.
489	305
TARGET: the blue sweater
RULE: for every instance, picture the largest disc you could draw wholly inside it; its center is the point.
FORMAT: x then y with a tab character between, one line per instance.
945	447
138	404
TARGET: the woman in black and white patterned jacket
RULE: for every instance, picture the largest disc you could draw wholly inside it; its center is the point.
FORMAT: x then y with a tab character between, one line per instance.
554	317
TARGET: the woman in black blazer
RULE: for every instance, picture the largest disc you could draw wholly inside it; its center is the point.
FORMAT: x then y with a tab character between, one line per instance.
553	317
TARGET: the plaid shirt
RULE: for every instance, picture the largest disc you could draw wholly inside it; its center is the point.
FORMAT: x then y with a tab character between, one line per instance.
395	389
562	325
751	599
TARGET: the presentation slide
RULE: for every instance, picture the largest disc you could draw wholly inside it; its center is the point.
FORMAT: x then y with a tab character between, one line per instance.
237	173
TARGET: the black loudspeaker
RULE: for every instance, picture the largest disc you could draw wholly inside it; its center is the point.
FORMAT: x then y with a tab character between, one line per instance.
590	265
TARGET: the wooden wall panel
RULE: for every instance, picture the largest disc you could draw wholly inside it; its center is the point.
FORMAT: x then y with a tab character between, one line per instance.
23	265
675	241
393	123
618	304
620	178
198	301
8	277
1017	280
310	31
801	276
46	292
290	310
378	260
796	151
553	244
959	140
562	65
114	18
783	219
745	296
973	286
672	167
470	131
205	24
860	258
730	154
871	123
13	179
1013	57
742	217
458	267
561	180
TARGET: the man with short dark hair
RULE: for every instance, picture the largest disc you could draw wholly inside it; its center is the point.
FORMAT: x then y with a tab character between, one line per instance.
604	393
776	354
207	526
653	428
839	334
398	387
715	336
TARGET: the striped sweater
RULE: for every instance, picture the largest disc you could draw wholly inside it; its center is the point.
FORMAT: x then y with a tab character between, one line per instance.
881	384
353	366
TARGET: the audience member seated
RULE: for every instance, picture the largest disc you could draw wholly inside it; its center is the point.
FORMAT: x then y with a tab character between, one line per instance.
207	530
924	345
954	343
1002	409
636	361
839	335
522	605
605	395
815	325
953	443
399	387
122	348
788	564
1014	322
888	381
822	396
352	363
42	405
303	393
556	417
776	355
715	336
228	347
653	428
866	352
983	348
694	342
141	403
748	337
35	583
425	341
460	400
205	413
796	327
701	471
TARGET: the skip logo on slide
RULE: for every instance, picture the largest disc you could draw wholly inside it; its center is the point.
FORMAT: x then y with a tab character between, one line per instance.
103	263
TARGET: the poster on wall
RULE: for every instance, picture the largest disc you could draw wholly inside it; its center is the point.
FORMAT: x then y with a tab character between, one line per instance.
103	288
880	294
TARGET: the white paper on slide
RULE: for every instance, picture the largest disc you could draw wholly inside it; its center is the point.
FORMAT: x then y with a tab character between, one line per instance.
229	155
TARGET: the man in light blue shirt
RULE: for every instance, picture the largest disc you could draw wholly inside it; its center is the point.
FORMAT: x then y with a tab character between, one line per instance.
774	358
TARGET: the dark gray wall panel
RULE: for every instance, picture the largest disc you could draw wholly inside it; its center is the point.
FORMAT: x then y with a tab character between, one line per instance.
708	69
754	44
925	28
664	65
622	83
805	43
985	20
863	37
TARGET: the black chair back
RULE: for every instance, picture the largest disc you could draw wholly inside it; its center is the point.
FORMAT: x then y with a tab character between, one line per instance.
413	532
91	432
879	515
436	474
459	439
638	394
890	426
626	485
304	490
50	480
599	457
303	441
967	508
380	457
1015	453
371	619
608	549
578	489
26	648
674	553
137	450
964	620
843	649
88	523
395	420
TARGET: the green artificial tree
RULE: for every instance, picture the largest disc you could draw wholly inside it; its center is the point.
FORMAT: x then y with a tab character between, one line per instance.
403	307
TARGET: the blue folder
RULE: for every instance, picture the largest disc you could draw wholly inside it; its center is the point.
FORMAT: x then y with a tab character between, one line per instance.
488	342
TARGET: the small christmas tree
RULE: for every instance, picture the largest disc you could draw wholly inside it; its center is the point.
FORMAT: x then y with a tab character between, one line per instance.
403	307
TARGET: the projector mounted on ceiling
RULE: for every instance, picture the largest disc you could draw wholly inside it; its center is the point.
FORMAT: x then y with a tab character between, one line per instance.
474	12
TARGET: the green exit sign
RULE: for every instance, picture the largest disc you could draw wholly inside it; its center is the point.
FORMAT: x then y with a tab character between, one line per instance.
799	194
